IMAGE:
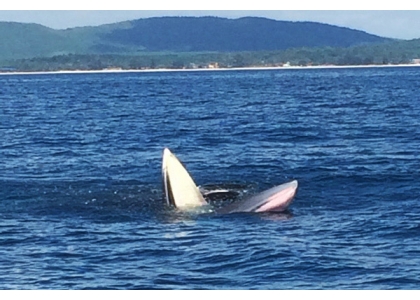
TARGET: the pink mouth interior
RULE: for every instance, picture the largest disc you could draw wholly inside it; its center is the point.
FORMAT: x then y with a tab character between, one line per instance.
279	201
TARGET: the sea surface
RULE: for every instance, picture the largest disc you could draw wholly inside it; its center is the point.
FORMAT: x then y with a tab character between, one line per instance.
81	202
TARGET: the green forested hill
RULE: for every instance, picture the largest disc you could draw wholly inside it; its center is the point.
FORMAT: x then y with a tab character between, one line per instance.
19	40
175	34
226	35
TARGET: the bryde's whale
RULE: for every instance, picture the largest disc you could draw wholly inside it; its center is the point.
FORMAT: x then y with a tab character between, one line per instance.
181	191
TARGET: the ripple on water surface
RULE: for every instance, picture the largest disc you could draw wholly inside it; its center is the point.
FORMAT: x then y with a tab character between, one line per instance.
81	204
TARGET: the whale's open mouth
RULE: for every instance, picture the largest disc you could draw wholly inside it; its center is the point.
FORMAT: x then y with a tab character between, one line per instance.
181	191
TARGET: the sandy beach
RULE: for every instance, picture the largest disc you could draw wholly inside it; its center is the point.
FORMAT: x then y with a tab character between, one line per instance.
207	69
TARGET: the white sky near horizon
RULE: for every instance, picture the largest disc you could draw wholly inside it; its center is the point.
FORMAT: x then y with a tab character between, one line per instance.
393	22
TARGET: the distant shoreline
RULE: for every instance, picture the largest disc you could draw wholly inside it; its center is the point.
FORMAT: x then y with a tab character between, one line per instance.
105	71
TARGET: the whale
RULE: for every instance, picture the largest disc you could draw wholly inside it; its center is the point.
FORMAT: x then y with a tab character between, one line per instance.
180	191
179	188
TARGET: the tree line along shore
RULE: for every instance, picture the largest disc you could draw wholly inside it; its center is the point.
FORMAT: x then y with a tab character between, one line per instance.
380	54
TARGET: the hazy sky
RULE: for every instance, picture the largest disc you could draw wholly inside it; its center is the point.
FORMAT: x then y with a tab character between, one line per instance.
404	24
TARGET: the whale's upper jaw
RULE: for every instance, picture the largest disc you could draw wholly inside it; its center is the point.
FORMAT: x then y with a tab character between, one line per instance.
165	179
179	188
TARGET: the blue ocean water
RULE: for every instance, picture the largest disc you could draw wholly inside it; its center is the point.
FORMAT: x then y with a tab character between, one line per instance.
81	195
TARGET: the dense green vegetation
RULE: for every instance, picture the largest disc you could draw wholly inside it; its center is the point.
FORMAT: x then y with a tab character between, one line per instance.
399	52
174	34
184	42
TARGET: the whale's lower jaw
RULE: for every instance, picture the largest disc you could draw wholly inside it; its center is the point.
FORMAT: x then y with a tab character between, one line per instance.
279	202
276	199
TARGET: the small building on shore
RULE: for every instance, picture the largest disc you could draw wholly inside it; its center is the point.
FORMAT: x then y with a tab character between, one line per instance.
213	65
